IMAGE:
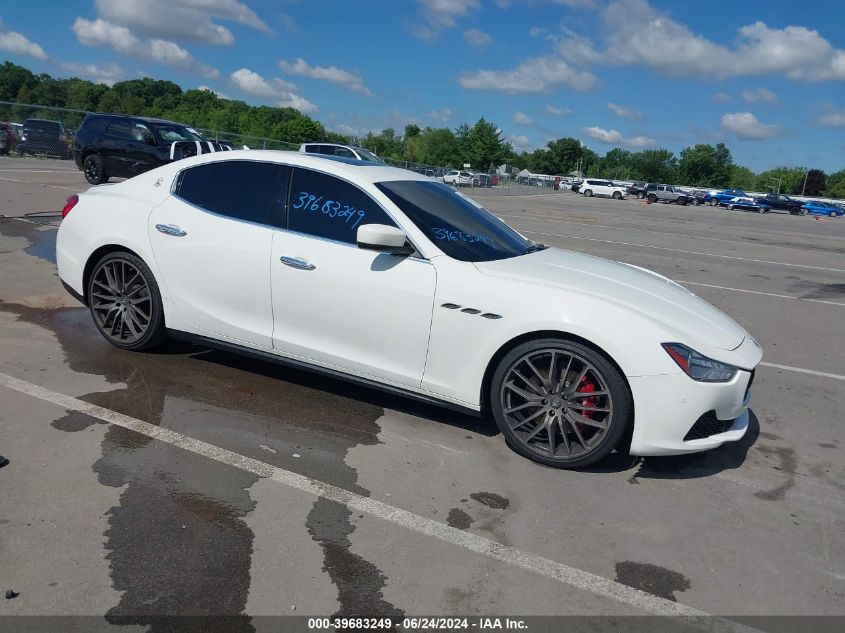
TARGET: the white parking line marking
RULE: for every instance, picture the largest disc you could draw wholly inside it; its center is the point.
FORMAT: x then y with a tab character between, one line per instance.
553	570
40	171
800	370
758	292
27	182
678	250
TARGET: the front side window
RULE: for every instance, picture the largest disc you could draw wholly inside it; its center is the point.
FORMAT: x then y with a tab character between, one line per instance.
345	153
239	189
460	227
171	132
327	207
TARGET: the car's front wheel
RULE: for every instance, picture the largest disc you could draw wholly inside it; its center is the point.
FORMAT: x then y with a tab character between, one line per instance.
652	198
714	202
94	170
681	201
125	302
588	193
617	195
731	207
559	402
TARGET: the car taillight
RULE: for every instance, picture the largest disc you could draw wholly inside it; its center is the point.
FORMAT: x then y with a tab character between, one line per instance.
69	204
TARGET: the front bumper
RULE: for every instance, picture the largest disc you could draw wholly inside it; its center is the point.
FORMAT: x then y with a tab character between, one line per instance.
667	407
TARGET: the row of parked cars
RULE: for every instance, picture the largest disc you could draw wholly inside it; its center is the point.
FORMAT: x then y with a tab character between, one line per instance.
729	198
36	137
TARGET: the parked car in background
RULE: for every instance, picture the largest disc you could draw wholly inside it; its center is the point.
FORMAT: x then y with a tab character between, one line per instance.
41	136
576	186
638	189
748	203
817	207
8	138
604	188
458	178
716	197
344	151
109	145
781	202
668	194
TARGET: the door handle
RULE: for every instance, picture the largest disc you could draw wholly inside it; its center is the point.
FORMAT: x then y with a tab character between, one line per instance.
170	229
296	262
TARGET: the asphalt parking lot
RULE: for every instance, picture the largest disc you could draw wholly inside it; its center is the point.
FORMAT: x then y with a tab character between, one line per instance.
203	483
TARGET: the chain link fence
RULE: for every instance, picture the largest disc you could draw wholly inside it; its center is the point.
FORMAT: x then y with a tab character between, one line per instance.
48	132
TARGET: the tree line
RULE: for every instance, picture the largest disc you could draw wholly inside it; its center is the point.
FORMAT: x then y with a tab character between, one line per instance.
481	144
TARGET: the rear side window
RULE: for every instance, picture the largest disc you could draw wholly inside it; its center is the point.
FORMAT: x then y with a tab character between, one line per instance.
119	127
96	125
239	189
327	207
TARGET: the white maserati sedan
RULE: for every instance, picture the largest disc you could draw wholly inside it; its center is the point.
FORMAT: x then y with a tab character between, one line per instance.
388	278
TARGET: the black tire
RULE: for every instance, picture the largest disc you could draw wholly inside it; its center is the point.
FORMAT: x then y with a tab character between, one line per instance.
618	400
94	170
681	201
588	193
833	214
617	195
731	207
714	202
652	198
761	210
640	195
129	292
803	212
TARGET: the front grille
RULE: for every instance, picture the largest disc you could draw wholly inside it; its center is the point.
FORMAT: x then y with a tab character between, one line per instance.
706	426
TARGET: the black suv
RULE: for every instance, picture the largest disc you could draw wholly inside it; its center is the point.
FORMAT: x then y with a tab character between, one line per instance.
117	145
41	136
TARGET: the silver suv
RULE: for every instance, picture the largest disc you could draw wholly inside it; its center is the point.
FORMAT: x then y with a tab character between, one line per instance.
666	193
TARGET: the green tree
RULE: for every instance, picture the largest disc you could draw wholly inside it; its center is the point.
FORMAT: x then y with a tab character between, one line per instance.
12	79
742	178
705	165
816	183
787	178
836	184
655	165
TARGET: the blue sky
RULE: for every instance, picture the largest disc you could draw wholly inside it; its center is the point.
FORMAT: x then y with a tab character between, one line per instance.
767	77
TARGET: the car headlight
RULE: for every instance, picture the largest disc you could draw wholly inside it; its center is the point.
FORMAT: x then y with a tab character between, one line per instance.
699	367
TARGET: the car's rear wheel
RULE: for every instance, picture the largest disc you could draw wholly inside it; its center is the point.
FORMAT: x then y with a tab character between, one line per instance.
588	192
125	302
559	402
761	210
94	170
803	212
731	207
833	214
640	195
617	195
681	200
714	202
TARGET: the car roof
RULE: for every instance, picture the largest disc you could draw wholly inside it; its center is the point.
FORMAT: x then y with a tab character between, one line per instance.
146	119
348	167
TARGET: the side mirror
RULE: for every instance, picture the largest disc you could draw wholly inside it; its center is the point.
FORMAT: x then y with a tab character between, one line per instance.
383	238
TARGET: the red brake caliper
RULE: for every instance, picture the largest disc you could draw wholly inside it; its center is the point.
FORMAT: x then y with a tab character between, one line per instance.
587	386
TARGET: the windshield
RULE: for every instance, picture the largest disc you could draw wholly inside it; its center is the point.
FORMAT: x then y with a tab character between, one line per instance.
170	132
460	227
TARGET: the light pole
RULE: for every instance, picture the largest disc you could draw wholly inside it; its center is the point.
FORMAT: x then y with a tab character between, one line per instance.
806	173
779	180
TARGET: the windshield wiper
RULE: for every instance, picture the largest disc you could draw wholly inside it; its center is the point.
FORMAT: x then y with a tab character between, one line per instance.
534	247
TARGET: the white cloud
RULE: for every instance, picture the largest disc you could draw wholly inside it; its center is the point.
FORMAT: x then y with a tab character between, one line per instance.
558	111
181	20
833	119
19	44
520	118
539	74
281	91
106	74
332	74
625	112
721	97
745	125
442	115
100	32
441	14
520	142
614	137
476	38
670	47
760	94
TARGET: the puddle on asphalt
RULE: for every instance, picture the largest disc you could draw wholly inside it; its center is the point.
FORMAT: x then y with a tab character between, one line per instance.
42	238
652	579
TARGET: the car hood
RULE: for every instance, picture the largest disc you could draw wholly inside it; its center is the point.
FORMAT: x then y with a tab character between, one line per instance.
636	288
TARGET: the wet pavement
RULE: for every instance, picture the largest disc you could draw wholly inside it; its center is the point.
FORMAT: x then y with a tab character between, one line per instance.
99	520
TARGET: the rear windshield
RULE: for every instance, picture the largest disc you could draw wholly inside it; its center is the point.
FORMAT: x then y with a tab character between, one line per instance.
43	126
460	227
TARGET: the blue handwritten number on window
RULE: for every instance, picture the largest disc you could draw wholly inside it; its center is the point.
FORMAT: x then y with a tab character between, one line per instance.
331	208
454	236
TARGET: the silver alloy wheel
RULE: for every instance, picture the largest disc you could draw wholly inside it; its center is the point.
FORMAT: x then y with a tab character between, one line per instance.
556	403
121	301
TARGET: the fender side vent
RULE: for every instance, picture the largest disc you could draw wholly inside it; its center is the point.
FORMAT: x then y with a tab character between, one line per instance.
490	315
450	306
471	311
